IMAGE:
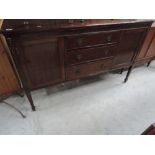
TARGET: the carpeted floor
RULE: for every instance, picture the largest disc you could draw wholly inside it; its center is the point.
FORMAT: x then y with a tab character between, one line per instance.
97	105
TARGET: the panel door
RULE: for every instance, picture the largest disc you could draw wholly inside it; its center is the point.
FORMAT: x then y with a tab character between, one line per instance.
41	59
129	45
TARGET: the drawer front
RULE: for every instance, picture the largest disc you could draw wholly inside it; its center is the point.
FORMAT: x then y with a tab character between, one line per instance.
92	39
88	69
89	54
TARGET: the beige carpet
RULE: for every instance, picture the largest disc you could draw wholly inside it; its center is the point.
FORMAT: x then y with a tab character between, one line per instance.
98	105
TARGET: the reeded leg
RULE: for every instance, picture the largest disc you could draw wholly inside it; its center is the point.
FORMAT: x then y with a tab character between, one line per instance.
28	94
121	70
148	64
128	74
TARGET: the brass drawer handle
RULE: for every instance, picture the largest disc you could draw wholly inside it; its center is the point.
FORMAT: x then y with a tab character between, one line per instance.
109	37
80	41
25	22
106	51
82	20
70	21
39	26
79	57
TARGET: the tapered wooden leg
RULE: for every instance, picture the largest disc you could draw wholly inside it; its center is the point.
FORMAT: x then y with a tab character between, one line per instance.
121	70
148	64
128	74
28	94
21	94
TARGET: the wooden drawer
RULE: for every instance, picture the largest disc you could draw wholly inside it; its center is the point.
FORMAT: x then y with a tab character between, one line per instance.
88	69
89	54
91	39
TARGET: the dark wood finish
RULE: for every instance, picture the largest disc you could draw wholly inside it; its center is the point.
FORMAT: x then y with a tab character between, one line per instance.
89	54
88	69
150	130
30	25
41	59
47	52
91	39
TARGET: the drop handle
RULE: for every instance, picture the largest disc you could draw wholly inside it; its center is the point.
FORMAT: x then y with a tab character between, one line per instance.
106	51
70	21
80	41
25	22
82	20
79	57
109	37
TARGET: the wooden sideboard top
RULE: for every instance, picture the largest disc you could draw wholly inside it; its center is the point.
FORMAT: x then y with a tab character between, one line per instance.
35	25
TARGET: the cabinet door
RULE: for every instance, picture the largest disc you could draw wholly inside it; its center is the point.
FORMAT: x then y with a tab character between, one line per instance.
129	44
41	59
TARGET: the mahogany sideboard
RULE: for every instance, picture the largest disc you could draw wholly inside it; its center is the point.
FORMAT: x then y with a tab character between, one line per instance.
48	52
